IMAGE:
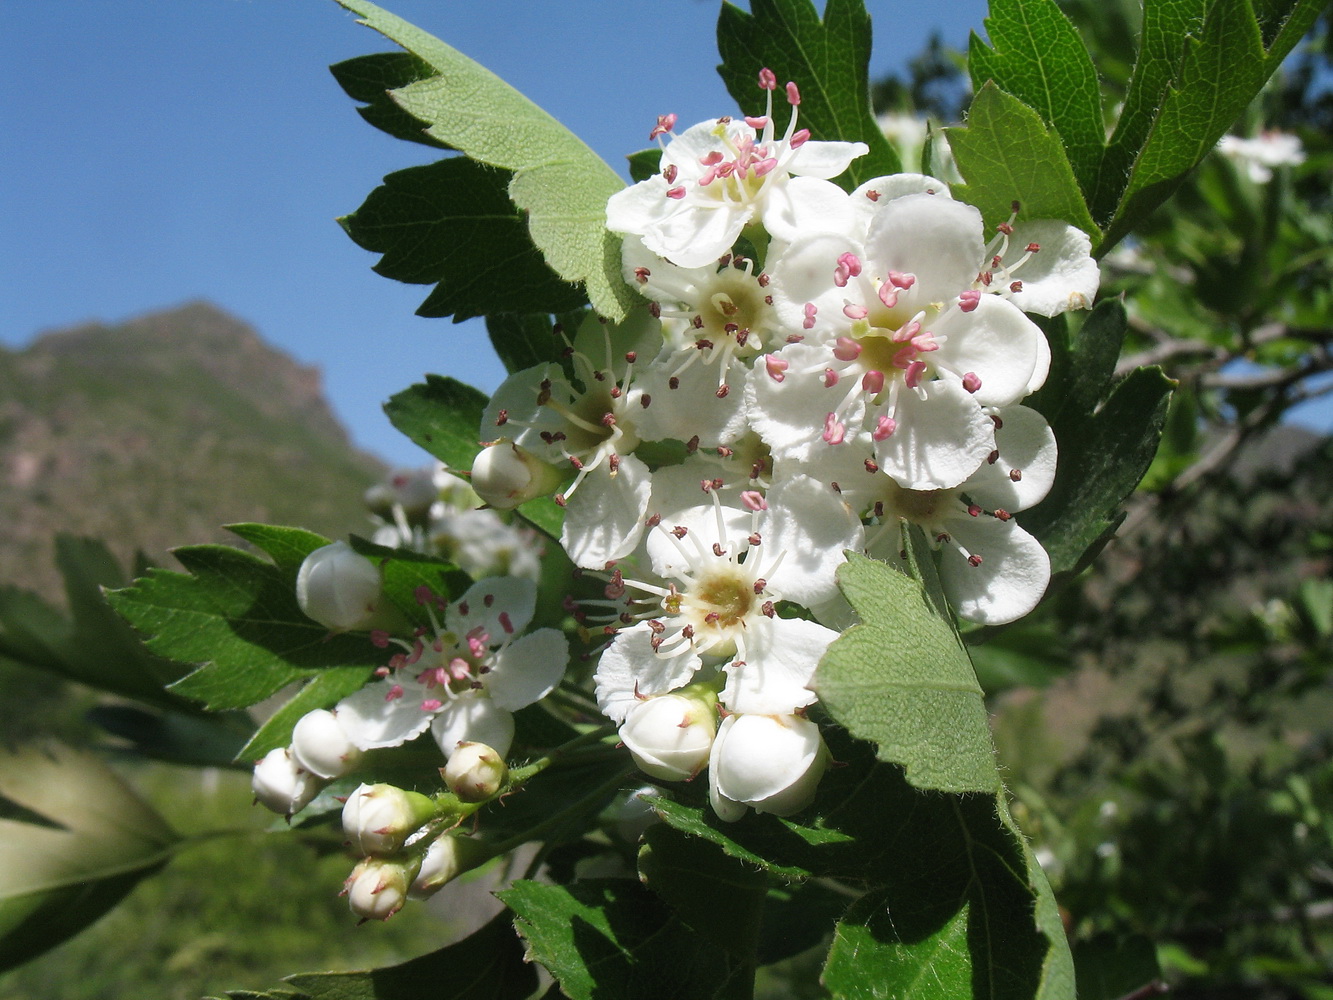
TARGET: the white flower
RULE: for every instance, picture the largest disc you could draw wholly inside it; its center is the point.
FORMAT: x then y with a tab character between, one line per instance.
771	763
587	423
719	176
377	887
464	677
475	772
1261	153
670	735
339	588
992	570
721	571
378	819
282	785
320	745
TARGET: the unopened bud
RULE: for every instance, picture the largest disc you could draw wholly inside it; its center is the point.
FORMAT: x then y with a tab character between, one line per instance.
321	747
339	588
449	856
379	818
505	475
475	772
670	736
282	785
377	888
770	762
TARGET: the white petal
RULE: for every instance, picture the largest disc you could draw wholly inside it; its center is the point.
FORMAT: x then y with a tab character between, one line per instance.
936	239
804	274
940	440
801	205
527	669
789	415
881	190
1042	367
693	408
630	665
824	159
756	757
486	600
673	558
996	342
699	233
811	526
636	208
1061	275
604	519
1011	579
473	718
1025	443
373	720
517	395
780	658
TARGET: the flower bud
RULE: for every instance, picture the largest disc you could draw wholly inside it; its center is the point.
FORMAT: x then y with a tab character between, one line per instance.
321	747
339	588
449	856
670	736
770	762
377	888
282	785
379	818
475	772
505	475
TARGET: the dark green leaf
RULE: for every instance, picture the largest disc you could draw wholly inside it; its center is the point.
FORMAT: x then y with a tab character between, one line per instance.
452	224
1007	154
197	741
322	691
1108	968
1036	54
487	965
526	341
441	415
902	679
604	938
287	547
560	184
828	60
644	164
369	79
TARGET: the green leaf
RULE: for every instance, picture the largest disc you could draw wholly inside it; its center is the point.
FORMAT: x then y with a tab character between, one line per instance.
369	79
614	938
193	740
1199	66
644	164
486	965
1107	437
322	691
441	415
902	679
81	840
828	60
1036	55
558	182
1007	154
452	224
1108	968
526	341
287	547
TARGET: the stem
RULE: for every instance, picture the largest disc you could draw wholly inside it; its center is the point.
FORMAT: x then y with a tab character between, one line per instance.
521	774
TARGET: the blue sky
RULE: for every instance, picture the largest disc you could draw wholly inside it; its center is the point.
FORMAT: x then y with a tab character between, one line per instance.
160	151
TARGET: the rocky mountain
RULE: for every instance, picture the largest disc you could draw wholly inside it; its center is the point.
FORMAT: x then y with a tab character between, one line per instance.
154	432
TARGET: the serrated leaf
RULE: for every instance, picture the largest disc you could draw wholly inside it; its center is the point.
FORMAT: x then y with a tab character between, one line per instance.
88	841
1007	154
193	740
525	341
1199	65
828	60
558	182
369	79
486	965
287	547
452	224
1036	54
903	680
443	416
614	938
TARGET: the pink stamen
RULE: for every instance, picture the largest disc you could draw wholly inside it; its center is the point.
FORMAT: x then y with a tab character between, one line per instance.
793	94
395	693
969	300
379	638
847	349
884	427
834	432
901	279
676	193
853	311
914	373
888	295
754	500
767	80
665	123
810	311
776	367
830	378
799	138
873	382
756	122
849	266
971	382
506	623
432	705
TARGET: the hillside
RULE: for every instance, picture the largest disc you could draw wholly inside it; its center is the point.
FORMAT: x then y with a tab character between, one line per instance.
153	433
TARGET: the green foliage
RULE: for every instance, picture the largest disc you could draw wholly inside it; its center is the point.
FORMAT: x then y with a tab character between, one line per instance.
486	965
440	415
1008	154
369	79
79	840
902	680
828	60
452	222
558	182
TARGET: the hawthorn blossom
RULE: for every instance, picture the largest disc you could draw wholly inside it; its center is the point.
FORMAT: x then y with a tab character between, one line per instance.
911	332
1259	154
587	422
464	676
710	604
771	763
719	176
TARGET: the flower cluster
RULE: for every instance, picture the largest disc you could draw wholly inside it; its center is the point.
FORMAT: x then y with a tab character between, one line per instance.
837	366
